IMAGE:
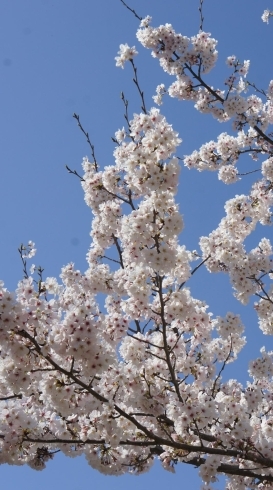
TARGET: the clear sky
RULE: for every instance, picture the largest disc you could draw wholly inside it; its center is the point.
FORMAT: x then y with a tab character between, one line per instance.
57	58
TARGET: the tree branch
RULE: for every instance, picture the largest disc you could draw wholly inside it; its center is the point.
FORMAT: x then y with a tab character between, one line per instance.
77	117
131	10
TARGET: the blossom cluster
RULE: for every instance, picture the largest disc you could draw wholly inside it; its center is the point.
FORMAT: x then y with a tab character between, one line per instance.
189	59
266	15
125	53
224	249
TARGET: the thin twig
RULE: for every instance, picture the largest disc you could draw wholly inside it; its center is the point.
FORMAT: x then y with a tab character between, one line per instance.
141	93
222	369
260	284
201	15
126	116
20	250
41	286
261	91
77	117
194	270
146	342
252	172
11	396
165	342
131	10
109	258
118	247
74	172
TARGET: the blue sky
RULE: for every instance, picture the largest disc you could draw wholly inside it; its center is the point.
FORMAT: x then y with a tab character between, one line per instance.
57	58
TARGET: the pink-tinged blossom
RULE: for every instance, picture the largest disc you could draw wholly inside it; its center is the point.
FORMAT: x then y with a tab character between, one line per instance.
125	53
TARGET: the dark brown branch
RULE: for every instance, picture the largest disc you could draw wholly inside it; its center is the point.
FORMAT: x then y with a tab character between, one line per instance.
146	342
194	270
26	335
131	10
4	398
251	172
87	388
201	15
126	115
109	258
260	284
87	441
74	172
220	99
137	324
165	343
190	448
141	93
22	249
222	369
235	470
261	91
197	461
77	117
130	200
204	84
206	437
118	247
199	265
263	135
115	195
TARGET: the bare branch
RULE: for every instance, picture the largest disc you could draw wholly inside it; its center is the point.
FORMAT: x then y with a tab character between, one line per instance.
74	172
77	117
126	116
222	369
201	15
131	10
22	250
141	93
194	270
261	91
5	398
251	172
118	247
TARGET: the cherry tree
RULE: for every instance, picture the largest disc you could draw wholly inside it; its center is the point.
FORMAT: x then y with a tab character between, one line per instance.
140	376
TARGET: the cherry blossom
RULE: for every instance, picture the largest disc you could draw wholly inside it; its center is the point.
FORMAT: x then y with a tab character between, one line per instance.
266	15
125	53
